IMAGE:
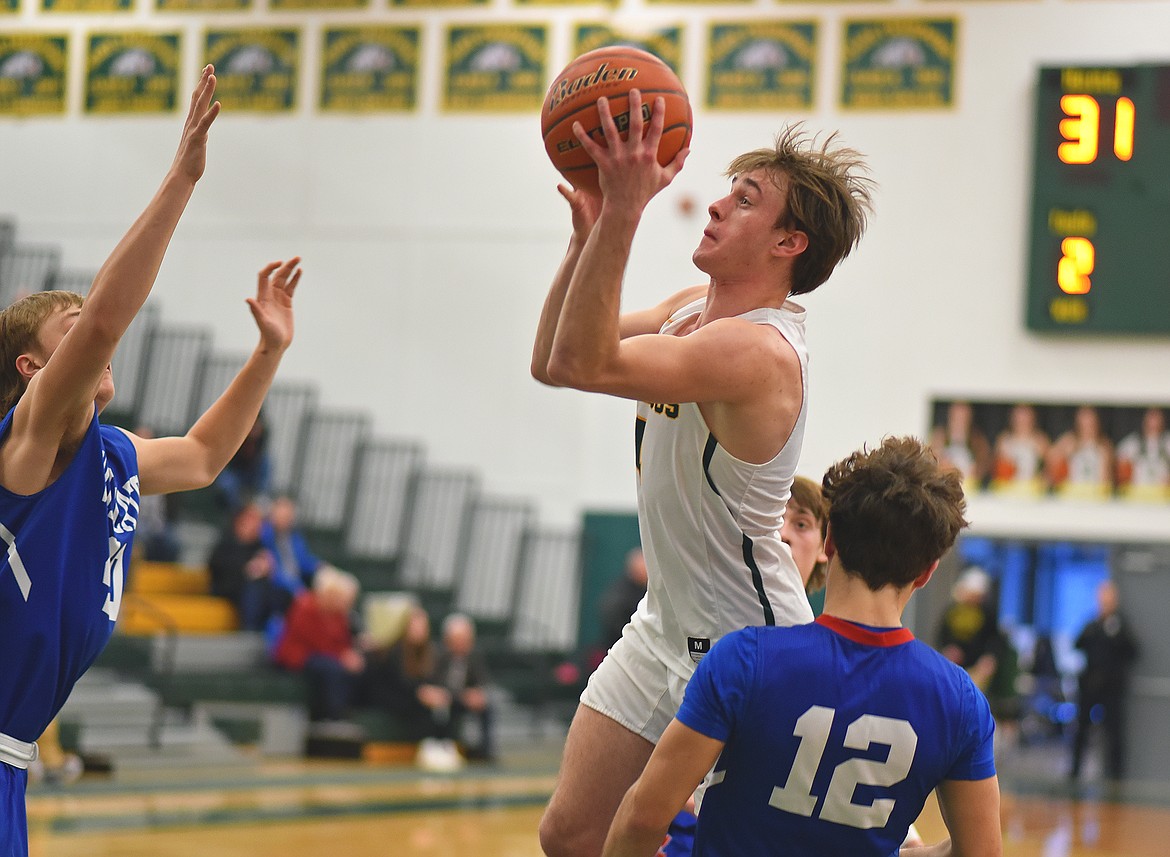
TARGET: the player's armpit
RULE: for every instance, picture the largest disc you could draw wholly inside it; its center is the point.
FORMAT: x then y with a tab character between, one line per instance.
651	320
971	811
728	360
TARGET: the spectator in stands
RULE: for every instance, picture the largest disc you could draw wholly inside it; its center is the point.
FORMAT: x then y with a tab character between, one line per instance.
157	514
242	571
1110	649
399	678
458	687
318	641
621	599
248	476
293	563
969	633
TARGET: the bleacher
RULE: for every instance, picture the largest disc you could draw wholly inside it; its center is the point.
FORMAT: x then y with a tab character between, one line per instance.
371	504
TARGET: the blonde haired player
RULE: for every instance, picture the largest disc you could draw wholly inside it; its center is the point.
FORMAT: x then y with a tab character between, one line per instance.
720	374
69	486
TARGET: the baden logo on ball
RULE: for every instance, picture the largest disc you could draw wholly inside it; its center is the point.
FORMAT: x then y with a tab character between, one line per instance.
610	73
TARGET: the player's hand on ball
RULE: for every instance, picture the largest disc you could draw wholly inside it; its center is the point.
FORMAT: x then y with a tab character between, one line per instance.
628	170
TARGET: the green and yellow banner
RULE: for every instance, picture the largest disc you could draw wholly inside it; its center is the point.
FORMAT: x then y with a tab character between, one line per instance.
899	63
132	72
366	69
761	65
280	5
90	6
255	68
202	5
424	4
32	73
664	42
495	67
7	6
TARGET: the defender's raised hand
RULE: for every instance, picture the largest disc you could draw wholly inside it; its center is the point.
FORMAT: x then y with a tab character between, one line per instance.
272	307
191	158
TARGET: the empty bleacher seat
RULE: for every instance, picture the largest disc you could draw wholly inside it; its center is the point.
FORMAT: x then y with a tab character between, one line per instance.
25	269
495	538
435	532
176	360
216	373
328	465
286	408
386	475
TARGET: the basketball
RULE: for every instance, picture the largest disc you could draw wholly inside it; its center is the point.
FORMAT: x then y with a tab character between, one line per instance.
611	73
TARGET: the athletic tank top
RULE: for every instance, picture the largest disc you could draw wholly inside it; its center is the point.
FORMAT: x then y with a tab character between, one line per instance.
63	571
710	523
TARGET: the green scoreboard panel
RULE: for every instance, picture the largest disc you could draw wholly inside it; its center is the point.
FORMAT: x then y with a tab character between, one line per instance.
1100	226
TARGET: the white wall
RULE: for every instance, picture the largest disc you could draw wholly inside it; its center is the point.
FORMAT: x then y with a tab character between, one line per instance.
429	240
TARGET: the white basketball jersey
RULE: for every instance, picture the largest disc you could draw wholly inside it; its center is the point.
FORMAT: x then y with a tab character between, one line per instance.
710	523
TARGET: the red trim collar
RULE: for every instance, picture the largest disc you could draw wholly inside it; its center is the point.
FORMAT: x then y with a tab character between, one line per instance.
858	634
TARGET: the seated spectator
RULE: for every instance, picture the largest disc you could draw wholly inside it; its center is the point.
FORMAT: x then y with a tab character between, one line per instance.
458	687
248	476
318	641
241	571
293	563
397	674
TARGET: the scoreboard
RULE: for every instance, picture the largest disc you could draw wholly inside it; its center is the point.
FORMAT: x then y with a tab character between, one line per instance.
1099	254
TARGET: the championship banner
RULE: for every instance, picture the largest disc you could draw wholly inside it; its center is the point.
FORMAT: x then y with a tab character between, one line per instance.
9	6
202	5
366	69
280	5
132	73
664	42
87	5
761	65
495	67
32	73
899	63
423	4
255	68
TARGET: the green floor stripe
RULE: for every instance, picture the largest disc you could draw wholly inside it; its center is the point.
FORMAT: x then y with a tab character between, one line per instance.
260	815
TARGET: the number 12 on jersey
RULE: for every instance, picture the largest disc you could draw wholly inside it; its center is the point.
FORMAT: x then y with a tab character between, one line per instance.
813	729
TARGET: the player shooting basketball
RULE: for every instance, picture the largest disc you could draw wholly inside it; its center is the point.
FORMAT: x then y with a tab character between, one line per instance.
720	375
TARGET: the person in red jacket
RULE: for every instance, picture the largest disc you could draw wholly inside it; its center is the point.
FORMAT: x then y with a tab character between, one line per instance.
318	641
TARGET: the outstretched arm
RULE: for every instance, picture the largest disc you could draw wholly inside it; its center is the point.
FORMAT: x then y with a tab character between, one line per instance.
585	207
57	406
678	764
589	329
970	809
194	460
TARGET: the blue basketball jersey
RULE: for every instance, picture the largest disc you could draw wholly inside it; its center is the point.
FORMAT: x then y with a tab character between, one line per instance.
835	735
65	551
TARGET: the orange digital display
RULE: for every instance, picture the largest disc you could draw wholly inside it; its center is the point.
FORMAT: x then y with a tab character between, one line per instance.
1099	249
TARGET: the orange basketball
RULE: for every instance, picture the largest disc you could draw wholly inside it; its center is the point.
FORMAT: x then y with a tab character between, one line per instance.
611	73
